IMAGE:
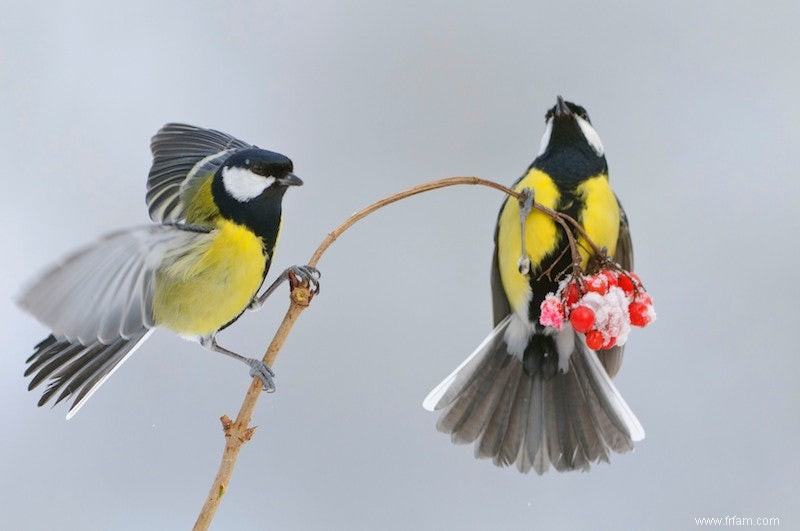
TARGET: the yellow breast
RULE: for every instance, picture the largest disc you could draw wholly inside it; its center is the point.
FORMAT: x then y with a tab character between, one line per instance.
540	238
199	290
599	216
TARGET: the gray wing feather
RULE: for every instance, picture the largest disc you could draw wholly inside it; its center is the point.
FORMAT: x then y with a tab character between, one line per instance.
104	291
612	358
500	306
624	254
181	154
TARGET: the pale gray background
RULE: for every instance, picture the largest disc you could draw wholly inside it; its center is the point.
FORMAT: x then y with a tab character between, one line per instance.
697	106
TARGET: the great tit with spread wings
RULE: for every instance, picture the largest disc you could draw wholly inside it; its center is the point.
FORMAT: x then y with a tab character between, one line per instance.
216	206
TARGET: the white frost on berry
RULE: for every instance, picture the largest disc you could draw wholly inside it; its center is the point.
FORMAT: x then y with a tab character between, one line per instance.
610	313
550	312
619	321
651	313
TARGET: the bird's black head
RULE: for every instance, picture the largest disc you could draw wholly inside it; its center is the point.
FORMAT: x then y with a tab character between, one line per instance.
249	186
571	149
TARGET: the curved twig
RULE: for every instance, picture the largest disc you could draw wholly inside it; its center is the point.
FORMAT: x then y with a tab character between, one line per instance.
238	432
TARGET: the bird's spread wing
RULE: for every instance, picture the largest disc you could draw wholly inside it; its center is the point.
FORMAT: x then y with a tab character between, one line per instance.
183	155
104	291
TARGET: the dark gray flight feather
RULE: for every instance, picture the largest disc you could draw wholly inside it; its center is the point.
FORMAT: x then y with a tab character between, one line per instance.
75	369
178	150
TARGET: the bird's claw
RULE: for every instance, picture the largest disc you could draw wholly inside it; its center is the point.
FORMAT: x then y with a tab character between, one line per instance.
526	198
524	264
305	273
262	371
296	275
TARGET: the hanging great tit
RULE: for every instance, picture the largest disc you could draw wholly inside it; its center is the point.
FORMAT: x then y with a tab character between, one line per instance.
528	395
216	204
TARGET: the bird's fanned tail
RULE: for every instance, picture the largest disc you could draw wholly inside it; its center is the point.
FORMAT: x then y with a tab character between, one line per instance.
75	369
530	414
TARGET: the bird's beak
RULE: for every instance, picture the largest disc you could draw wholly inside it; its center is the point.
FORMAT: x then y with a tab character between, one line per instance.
290	179
561	107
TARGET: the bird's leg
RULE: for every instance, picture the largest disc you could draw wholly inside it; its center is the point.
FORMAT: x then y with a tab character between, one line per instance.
257	367
526	196
307	273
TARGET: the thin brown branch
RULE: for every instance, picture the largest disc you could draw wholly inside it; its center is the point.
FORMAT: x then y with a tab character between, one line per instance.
578	227
549	271
238	432
397	197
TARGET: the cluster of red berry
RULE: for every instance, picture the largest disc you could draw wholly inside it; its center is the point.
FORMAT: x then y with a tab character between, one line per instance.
602	306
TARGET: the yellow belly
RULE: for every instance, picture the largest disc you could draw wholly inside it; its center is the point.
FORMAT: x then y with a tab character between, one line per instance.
599	216
199	291
540	238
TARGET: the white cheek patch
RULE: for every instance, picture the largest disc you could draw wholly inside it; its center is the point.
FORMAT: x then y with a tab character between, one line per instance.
548	130
244	185
591	135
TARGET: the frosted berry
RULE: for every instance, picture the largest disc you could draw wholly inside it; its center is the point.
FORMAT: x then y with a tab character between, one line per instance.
582	318
594	339
610	343
639	314
597	284
610	277
626	284
551	312
572	294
